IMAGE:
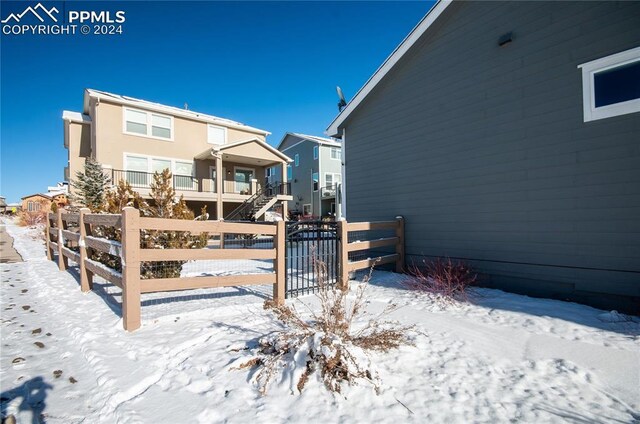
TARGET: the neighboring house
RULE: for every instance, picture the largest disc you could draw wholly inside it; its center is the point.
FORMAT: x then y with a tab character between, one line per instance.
59	187
314	174
3	205
215	162
42	201
508	135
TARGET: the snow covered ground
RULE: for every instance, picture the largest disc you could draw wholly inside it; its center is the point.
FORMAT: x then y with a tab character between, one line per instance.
504	358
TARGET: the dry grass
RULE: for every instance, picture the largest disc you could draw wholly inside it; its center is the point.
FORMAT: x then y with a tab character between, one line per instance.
30	219
326	343
447	279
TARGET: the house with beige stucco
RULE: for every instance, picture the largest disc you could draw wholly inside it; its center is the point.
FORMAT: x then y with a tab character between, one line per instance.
215	161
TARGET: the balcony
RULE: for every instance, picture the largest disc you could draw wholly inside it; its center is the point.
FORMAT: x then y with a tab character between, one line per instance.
329	192
197	188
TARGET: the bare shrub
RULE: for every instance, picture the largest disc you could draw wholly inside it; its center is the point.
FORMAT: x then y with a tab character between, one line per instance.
447	279
327	343
34	217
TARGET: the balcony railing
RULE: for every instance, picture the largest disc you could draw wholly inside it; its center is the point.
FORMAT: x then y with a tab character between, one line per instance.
279	188
329	191
141	179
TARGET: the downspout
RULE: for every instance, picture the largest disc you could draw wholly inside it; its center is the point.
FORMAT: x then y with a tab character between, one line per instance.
319	179
342	210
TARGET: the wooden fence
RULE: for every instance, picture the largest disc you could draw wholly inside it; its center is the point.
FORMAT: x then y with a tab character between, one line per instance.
397	241
132	255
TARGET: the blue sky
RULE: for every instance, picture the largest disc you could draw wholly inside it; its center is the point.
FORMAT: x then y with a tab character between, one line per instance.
272	65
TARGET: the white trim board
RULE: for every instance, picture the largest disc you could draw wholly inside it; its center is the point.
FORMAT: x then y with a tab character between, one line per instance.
387	65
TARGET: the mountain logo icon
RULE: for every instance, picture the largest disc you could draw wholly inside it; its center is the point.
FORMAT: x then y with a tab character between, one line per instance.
16	17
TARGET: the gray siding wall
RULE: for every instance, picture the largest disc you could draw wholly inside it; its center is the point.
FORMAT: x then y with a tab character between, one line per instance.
484	150
301	186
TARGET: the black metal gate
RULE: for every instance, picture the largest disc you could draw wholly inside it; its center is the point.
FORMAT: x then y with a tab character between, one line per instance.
311	255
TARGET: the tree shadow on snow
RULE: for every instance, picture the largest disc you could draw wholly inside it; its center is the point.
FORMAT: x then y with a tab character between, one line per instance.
33	394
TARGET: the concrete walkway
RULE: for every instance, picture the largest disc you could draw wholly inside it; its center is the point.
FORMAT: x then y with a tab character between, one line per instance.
7	253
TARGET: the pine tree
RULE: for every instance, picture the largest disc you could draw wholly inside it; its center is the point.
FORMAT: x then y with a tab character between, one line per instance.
90	185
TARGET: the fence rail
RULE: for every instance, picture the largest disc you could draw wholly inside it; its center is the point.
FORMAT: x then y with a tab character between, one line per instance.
86	243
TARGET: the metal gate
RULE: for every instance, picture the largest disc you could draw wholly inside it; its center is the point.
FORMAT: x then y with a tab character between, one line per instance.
311	248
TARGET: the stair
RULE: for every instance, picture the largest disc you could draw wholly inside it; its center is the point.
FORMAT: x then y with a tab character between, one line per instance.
255	206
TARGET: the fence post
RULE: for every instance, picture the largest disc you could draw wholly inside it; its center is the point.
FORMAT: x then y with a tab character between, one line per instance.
48	237
343	235
400	262
86	277
131	268
280	263
63	263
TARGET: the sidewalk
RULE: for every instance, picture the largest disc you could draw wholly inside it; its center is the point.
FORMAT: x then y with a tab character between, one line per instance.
7	253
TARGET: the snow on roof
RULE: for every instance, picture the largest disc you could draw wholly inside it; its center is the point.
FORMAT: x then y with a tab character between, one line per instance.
68	115
388	64
313	138
132	101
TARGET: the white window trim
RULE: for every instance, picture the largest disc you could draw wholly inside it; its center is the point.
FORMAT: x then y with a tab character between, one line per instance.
312	182
316	152
219	127
333	177
337	149
150	167
149	124
296	159
310	209
589	69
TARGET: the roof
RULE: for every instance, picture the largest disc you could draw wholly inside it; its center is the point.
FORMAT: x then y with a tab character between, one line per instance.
38	194
387	65
78	117
49	195
212	151
312	138
175	111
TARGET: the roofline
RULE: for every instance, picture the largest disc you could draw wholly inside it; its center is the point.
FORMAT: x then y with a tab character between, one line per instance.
145	104
37	194
273	150
71	116
388	64
306	137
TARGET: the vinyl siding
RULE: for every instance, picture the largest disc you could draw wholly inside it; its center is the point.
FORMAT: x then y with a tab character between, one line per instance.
484	150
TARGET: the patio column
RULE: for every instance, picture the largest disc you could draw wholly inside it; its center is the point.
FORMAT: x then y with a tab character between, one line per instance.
219	178
285	211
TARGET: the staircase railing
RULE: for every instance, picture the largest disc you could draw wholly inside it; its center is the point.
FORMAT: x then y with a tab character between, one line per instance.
246	209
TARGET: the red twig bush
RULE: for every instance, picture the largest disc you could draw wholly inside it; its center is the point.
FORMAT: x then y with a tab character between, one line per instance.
447	279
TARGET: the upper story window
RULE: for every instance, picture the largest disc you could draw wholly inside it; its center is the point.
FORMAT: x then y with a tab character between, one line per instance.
611	85
289	173
315	179
315	152
148	124
336	153
216	135
296	159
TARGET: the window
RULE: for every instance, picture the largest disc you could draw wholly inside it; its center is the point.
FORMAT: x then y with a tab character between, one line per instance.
289	173
315	181
216	135
137	170
330	179
306	209
296	159
315	152
33	206
159	165
611	85
149	124
183	175
336	153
